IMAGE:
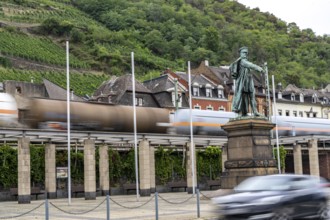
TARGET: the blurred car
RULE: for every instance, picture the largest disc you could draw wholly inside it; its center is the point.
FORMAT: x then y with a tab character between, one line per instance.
275	197
324	182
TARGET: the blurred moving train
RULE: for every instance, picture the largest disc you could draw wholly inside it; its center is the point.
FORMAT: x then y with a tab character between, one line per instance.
209	122
52	114
8	111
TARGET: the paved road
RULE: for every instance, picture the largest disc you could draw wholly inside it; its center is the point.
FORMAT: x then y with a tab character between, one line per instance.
172	206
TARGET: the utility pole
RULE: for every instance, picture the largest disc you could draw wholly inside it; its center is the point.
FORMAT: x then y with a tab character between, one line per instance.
176	94
267	91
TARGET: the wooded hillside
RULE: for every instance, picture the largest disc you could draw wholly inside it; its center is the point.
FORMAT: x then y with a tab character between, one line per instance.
162	34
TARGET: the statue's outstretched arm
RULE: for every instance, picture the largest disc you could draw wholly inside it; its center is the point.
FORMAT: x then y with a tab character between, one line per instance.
250	65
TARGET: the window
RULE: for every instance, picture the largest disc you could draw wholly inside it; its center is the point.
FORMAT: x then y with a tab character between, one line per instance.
287	113
177	99
18	90
301	97
280	112
293	97
209	107
195	91
314	98
294	113
139	101
208	92
314	114
197	107
220	93
222	108
301	114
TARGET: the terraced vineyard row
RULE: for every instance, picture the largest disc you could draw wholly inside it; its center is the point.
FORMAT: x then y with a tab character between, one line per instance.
81	84
40	13
37	49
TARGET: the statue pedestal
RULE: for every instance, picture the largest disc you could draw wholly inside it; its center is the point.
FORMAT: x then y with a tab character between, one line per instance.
249	150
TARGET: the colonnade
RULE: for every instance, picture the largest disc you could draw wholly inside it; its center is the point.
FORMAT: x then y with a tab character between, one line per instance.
147	177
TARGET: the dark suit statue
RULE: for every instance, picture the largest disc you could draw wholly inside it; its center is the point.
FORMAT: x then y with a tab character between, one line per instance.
244	89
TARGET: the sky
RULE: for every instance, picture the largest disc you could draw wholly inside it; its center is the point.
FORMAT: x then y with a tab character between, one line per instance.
314	14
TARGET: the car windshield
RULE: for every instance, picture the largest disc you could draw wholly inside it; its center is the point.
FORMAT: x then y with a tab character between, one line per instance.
264	183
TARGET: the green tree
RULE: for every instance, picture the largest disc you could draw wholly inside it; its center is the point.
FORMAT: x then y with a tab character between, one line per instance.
283	153
211	39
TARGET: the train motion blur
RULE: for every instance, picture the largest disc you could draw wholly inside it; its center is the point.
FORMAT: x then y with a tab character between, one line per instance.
52	114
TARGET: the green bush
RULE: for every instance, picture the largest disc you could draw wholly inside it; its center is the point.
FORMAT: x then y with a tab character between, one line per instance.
209	163
5	62
8	167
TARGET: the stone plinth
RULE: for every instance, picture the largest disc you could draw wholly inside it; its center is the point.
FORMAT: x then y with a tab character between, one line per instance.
249	150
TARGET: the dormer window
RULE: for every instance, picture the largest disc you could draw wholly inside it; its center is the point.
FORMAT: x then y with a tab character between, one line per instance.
195	89
139	101
177	100
301	97
220	92
293	97
314	98
325	100
208	90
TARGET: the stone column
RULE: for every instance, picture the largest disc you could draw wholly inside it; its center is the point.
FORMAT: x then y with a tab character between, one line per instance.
313	158
224	157
104	170
24	169
152	169
189	168
50	170
297	159
144	168
89	170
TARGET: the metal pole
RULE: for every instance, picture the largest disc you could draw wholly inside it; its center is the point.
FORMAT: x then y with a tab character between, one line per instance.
46	210
276	128
268	92
156	204
198	205
108	207
68	120
135	135
191	132
176	93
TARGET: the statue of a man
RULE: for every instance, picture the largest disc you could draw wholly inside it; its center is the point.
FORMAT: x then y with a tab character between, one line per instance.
244	88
